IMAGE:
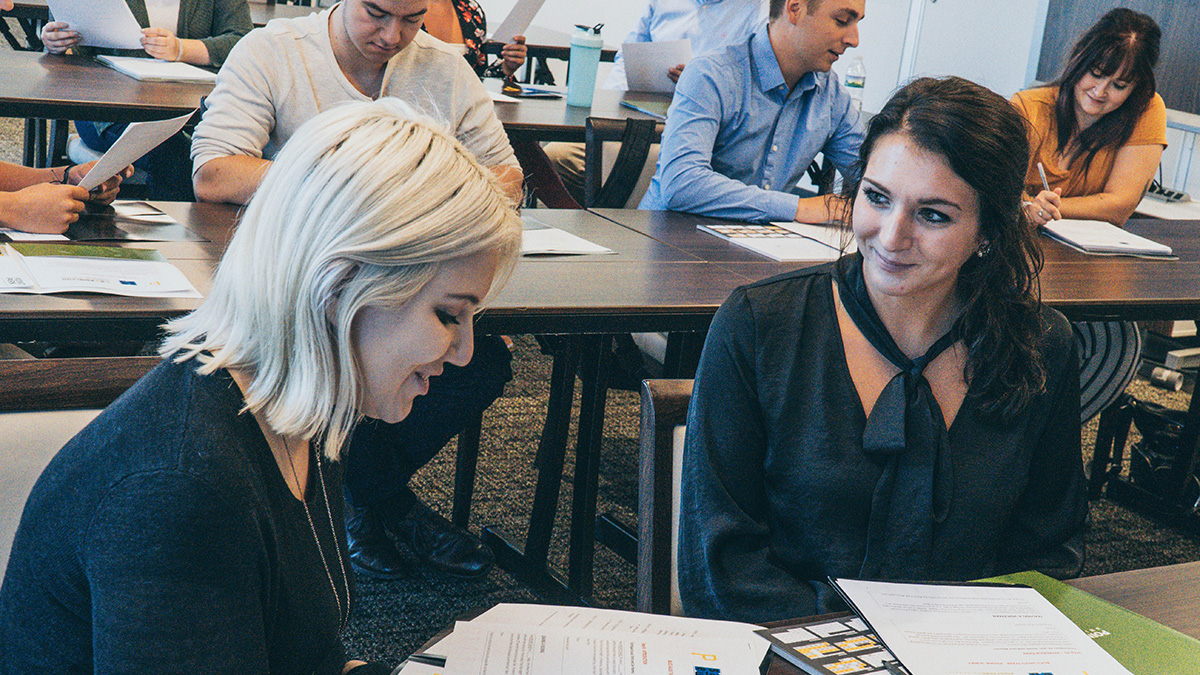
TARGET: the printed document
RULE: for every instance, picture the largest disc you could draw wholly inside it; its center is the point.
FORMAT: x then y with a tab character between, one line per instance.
608	621
517	21
976	630
137	139
101	23
647	63
509	649
65	268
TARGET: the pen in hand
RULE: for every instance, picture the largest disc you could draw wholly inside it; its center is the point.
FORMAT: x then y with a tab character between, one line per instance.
1042	173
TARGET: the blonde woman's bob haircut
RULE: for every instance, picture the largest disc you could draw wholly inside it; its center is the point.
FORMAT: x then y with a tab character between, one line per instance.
361	207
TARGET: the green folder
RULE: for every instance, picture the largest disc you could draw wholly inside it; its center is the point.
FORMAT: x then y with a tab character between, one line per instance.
1143	646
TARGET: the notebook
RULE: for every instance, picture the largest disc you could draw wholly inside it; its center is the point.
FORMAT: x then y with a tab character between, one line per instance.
1099	237
153	70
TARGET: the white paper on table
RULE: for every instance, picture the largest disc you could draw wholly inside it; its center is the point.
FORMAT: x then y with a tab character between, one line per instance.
963	630
13	274
647	63
830	235
503	649
137	139
18	235
100	23
154	70
517	21
138	278
608	620
497	97
553	241
141	212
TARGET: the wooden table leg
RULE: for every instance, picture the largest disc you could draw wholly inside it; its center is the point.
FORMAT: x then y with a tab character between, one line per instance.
529	564
594	373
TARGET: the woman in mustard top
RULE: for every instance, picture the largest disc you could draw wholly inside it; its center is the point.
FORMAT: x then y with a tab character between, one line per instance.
1099	147
1101	144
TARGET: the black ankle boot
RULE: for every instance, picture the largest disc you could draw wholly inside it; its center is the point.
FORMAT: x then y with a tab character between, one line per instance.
372	551
441	545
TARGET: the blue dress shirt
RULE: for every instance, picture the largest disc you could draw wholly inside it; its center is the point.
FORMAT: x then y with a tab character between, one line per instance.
708	24
737	141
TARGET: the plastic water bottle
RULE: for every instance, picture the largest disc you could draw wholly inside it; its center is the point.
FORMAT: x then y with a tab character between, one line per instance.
856	81
585	60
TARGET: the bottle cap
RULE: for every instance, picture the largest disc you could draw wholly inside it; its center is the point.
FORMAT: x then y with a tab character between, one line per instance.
588	36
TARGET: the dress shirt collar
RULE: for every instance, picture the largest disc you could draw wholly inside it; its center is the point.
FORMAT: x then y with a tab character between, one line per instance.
770	76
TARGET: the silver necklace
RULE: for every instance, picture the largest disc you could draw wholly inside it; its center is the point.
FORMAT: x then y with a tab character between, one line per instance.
343	612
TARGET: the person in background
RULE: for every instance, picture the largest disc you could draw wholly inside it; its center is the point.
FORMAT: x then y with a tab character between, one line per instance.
1098	132
276	79
747	121
198	32
47	201
708	24
195	525
463	23
908	412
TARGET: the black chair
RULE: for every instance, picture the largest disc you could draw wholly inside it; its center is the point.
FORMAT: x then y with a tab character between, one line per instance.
636	136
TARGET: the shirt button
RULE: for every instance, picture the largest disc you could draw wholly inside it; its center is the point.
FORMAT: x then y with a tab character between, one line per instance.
766	185
774	148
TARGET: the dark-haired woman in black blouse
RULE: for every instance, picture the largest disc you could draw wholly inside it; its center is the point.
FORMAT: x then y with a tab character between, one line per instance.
908	412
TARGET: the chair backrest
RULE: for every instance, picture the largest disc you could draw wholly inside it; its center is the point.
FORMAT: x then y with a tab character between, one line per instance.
636	136
43	403
31	439
664	412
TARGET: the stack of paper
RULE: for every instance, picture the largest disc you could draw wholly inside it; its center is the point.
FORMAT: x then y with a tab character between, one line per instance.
58	268
1097	236
153	70
552	640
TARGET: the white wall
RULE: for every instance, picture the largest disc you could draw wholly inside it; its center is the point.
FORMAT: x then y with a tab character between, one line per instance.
618	16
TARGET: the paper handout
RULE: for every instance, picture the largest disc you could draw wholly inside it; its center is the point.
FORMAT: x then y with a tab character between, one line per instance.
100	23
58	268
517	21
137	139
539	238
647	63
504	649
975	630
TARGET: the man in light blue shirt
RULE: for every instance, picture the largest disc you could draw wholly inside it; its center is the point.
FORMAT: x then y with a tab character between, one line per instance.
747	121
708	24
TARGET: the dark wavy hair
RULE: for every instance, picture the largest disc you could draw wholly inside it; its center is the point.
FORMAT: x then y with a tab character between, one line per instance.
1122	41
982	137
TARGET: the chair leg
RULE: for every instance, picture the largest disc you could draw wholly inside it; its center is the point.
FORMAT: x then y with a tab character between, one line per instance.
465	463
541	180
1111	434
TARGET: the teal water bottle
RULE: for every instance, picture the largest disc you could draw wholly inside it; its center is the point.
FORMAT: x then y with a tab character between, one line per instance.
585	59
